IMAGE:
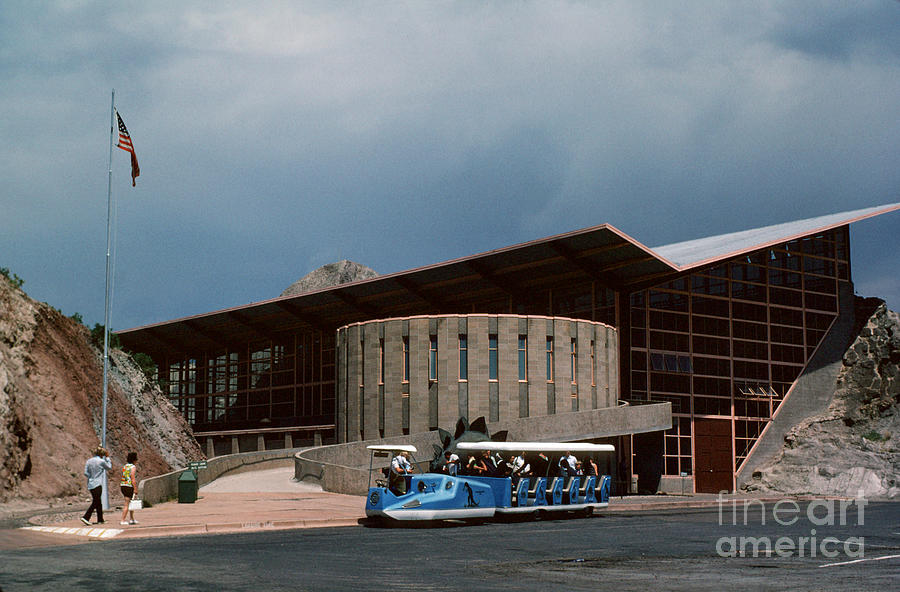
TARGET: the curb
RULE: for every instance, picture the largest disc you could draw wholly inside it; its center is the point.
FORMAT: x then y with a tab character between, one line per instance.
192	529
232	527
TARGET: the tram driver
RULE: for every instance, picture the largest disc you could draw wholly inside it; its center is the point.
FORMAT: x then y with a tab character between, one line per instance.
401	468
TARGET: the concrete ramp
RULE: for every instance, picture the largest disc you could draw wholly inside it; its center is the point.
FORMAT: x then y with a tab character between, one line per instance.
280	480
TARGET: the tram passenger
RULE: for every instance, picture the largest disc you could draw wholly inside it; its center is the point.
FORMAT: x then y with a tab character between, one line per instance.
401	468
515	464
567	464
500	468
451	463
470	466
484	465
518	468
579	469
590	468
541	465
494	464
526	470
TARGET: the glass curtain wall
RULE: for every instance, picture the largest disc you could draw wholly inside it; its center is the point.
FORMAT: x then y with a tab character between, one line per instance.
282	382
729	340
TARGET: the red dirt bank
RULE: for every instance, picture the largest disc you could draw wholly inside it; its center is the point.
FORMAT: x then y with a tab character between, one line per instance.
51	381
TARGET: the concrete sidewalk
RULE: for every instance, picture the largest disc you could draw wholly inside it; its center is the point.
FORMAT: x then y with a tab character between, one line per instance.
258	500
270	500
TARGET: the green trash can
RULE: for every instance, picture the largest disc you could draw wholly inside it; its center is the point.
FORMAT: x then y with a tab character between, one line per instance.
187	487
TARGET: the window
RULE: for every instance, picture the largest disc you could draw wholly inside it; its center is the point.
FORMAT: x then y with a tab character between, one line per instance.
463	357
381	361
549	359
362	363
573	362
593	372
665	362
406	359
523	358
492	357
432	357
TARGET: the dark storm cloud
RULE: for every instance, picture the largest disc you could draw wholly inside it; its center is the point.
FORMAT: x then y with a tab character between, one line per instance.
840	31
277	137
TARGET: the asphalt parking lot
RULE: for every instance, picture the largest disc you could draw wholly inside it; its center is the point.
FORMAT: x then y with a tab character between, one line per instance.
666	550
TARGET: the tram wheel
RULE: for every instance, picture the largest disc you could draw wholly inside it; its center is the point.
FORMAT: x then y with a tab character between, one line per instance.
587	512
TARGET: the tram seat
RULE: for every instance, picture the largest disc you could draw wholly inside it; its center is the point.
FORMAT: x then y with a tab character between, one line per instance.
586	492
520	493
537	494
555	491
602	490
570	491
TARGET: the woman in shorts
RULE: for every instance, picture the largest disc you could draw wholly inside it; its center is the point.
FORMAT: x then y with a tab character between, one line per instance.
128	486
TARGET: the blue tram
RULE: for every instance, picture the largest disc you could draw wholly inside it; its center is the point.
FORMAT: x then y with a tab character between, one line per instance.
440	496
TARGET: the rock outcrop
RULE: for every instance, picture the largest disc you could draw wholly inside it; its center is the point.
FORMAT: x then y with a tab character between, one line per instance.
853	446
333	274
51	380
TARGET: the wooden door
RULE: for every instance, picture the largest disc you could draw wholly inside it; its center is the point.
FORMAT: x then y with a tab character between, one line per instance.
713	460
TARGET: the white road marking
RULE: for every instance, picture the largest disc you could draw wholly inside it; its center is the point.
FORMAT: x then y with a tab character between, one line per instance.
860	560
98	533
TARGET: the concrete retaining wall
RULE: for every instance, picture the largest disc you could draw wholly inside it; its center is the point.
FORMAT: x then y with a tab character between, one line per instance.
344	468
676	485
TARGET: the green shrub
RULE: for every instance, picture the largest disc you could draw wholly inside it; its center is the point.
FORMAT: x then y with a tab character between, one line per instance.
875	436
146	364
13	278
97	338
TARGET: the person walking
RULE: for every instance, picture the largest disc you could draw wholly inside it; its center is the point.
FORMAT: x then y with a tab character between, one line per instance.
95	470
128	485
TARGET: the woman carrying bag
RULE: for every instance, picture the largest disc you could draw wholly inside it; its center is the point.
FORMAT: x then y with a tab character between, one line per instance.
128	485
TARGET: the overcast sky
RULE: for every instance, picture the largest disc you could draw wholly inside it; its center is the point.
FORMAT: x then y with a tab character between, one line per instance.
276	137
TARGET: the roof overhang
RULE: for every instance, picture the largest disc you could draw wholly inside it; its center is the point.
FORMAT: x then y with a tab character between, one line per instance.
601	254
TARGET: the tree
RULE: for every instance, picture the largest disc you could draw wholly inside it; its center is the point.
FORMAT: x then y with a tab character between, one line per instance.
97	337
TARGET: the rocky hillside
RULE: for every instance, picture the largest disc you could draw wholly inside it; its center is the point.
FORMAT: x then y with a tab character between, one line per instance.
855	444
329	275
51	381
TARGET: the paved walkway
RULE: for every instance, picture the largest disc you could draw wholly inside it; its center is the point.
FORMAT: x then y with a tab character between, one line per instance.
257	500
270	499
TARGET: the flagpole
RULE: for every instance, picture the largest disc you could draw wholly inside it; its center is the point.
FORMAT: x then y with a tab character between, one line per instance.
112	126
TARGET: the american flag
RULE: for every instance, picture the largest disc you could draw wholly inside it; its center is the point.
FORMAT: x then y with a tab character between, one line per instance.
126	145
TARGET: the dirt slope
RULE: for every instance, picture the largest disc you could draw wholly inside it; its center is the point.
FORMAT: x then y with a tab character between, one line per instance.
51	406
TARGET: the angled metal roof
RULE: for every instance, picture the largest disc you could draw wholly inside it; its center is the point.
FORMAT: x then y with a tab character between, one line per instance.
702	251
601	253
